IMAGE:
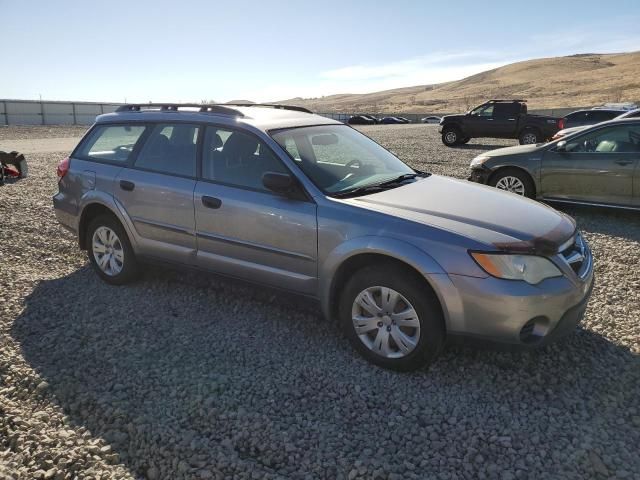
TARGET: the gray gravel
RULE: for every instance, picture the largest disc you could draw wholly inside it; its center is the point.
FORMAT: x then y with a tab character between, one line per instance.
184	375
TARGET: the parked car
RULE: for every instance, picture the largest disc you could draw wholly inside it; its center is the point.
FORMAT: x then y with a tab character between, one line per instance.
360	120
498	119
402	259
583	118
598	165
404	119
568	131
432	119
392	121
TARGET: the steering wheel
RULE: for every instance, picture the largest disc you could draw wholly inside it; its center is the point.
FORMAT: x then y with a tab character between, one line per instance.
353	163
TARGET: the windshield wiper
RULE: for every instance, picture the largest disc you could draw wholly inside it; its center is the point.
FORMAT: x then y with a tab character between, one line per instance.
399	179
376	187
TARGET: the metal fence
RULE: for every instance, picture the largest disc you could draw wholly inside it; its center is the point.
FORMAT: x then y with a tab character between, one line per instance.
35	112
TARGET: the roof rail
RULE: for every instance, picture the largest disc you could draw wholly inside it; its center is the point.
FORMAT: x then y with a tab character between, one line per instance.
174	107
507	100
272	105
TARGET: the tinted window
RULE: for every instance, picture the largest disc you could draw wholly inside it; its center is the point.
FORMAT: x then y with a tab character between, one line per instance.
617	139
602	116
506	110
111	142
170	149
237	158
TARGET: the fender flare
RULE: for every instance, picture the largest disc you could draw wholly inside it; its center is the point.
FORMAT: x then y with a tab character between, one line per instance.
395	249
93	197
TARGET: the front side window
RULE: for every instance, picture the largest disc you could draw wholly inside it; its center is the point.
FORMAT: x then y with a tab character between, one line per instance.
111	143
170	149
616	139
338	158
484	111
237	158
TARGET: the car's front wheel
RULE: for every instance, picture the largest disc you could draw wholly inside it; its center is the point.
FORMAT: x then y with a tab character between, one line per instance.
392	317
451	136
110	251
514	181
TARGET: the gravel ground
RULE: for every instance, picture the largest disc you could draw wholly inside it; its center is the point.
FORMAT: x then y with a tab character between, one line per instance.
184	375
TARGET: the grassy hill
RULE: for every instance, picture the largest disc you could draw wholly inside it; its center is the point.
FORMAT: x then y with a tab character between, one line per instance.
573	81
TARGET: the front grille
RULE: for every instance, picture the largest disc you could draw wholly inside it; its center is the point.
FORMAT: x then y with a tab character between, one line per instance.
576	255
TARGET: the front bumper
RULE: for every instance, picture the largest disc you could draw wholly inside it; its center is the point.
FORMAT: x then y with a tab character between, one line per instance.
479	175
517	314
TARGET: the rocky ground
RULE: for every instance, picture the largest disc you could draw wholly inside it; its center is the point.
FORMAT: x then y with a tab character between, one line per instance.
184	375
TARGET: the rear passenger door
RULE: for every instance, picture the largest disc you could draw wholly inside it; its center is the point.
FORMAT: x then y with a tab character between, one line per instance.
505	119
243	229
156	192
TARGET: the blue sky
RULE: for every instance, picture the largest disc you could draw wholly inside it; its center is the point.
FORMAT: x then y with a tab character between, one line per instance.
191	50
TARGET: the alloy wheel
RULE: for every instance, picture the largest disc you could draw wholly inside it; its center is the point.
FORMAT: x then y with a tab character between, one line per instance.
529	139
386	322
451	137
511	184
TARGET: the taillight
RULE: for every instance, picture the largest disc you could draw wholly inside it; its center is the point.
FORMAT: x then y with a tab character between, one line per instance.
561	124
63	168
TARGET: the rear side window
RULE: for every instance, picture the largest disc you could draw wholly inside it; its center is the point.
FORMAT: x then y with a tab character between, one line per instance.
112	143
170	149
506	110
603	116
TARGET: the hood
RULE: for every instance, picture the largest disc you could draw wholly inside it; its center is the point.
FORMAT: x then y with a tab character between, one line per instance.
515	150
500	220
449	117
570	130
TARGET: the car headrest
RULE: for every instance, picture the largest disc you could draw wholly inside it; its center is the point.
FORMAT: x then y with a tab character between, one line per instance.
240	145
216	141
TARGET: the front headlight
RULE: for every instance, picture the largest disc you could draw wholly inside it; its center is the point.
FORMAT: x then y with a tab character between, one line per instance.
530	268
479	160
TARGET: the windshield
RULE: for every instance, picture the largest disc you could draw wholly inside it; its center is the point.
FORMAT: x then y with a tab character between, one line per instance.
339	159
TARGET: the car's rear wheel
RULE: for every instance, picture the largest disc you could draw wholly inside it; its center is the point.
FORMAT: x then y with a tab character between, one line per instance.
392	318
451	136
530	137
110	251
514	181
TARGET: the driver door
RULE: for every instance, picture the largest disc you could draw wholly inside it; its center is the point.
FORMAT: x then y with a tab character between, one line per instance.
595	167
479	122
243	229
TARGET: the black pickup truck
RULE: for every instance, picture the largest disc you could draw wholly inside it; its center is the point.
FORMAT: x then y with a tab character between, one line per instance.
498	119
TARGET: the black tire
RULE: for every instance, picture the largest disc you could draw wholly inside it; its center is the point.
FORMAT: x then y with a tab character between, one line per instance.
527	182
451	136
130	268
423	300
465	140
530	136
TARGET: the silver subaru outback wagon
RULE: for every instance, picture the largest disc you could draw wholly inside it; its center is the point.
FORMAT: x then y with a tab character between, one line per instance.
402	259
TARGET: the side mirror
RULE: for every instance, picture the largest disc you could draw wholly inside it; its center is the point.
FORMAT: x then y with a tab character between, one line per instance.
280	183
561	146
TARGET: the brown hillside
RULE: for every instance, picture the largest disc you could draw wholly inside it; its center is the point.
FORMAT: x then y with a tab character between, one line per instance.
574	81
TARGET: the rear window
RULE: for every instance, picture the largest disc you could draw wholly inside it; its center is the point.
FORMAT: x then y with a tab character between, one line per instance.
112	143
